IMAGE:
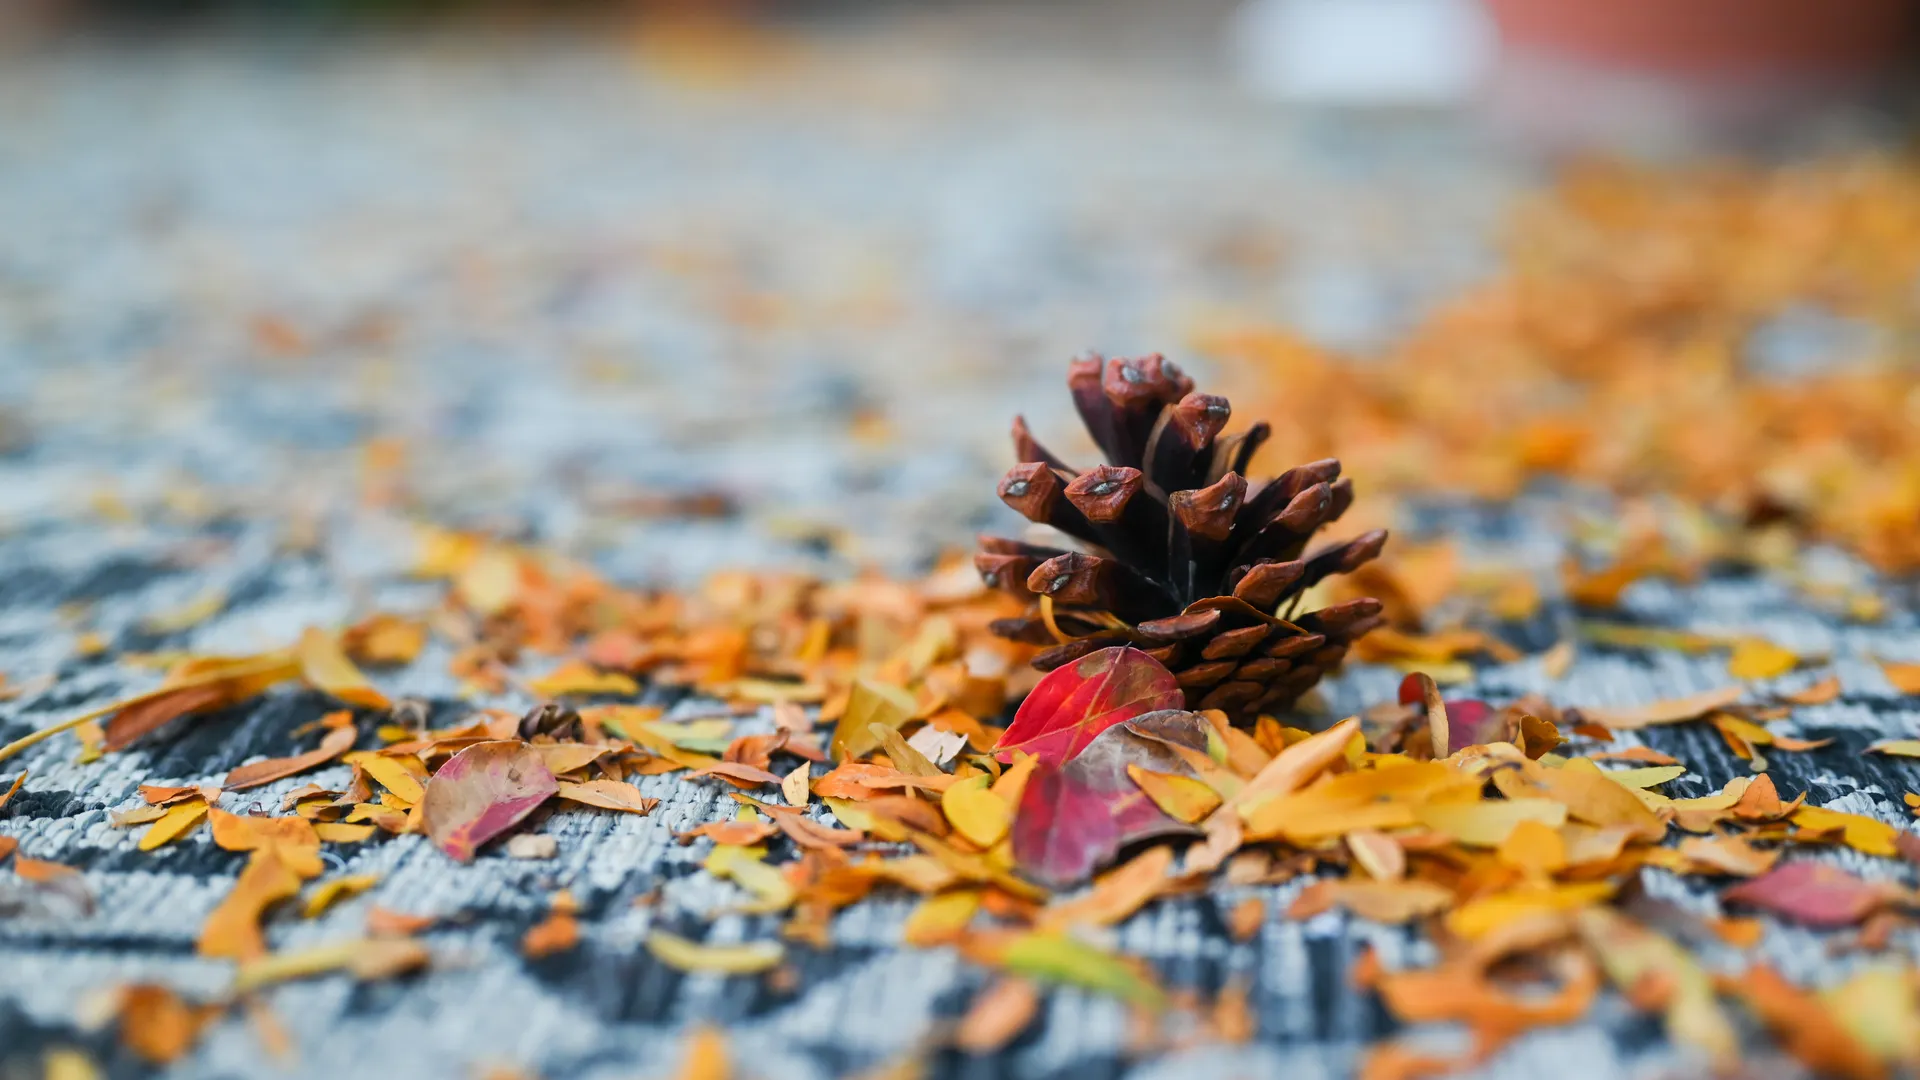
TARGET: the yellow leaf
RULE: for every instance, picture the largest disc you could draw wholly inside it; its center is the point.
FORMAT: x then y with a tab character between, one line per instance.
941	918
1896	747
1181	798
580	677
325	667
1057	957
977	813
904	757
1635	957
1593	798
179	820
743	866
870	703
1488	824
401	774
607	795
1489	913
365	959
1756	658
489	583
339	832
66	1063
1865	834
332	892
746	958
1533	847
794	786
1650	776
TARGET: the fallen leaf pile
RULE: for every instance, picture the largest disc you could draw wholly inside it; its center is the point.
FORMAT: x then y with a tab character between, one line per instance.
857	734
1642	338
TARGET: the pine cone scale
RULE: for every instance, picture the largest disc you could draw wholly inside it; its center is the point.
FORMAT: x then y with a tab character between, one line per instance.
1183	556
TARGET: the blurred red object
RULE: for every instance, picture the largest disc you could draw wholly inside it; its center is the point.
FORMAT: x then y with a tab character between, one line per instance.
1715	40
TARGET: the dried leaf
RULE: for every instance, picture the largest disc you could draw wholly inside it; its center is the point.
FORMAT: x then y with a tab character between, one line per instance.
942	918
177	821
556	933
1813	893
1802	1022
580	677
997	1016
1117	894
12	790
332	892
1757	658
400	773
1534	848
794	785
607	795
1488	824
1904	677
1864	834
1181	798
482	792
1896	747
337	741
1819	693
385	639
233	928
1073	704
746	958
1591	797
1055	957
1672	711
325	667
904	757
1419	687
157	1025
1074	818
1377	901
366	959
1656	974
1728	854
977	813
871	703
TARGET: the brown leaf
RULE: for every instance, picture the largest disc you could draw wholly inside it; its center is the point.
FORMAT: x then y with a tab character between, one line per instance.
482	792
337	741
1672	711
607	795
157	1025
557	933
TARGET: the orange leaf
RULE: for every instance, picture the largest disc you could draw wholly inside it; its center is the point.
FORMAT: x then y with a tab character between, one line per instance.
337	741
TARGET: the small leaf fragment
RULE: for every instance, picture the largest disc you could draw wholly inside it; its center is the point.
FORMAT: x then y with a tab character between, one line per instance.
746	958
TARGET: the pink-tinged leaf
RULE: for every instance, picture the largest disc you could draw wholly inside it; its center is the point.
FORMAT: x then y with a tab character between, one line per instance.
1812	893
1074	818
483	791
1075	703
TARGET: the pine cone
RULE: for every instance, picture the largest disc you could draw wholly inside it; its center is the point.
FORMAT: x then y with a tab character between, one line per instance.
1184	559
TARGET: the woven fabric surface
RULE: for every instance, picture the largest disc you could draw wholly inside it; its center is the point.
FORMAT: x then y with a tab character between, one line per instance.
558	276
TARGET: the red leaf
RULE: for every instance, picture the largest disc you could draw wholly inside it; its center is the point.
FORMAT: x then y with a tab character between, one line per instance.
1812	893
1075	818
483	791
1075	703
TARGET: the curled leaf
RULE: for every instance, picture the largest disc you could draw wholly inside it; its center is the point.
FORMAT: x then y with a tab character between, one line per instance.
325	666
481	792
746	958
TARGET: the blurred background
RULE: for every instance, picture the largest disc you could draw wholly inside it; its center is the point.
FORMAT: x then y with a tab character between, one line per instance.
764	283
